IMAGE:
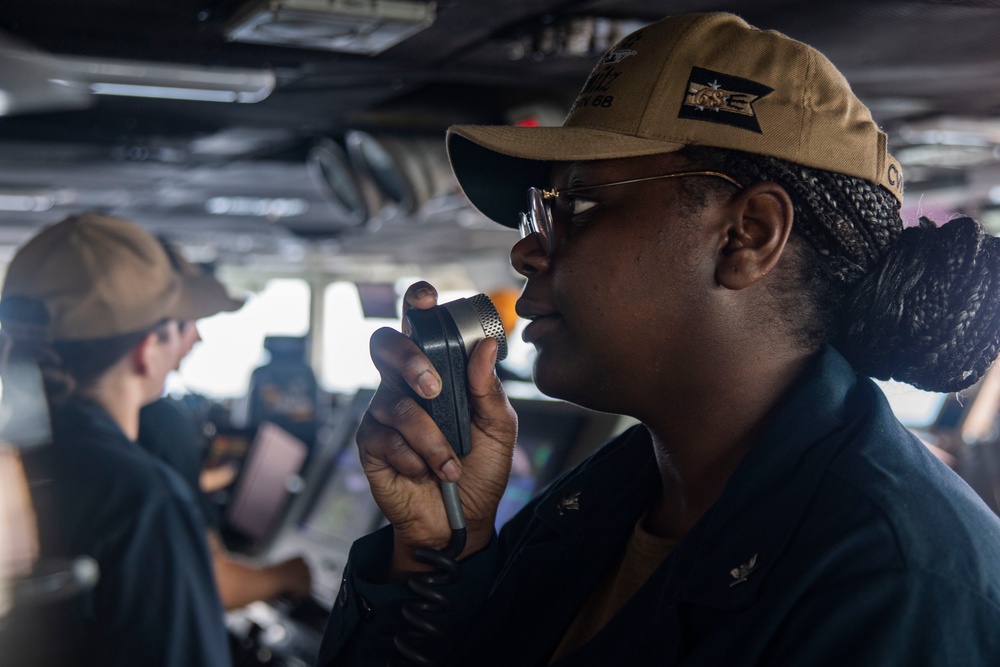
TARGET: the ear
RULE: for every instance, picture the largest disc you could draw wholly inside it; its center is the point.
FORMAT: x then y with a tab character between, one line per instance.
142	353
759	220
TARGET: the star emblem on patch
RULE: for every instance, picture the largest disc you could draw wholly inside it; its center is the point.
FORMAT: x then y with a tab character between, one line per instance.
723	98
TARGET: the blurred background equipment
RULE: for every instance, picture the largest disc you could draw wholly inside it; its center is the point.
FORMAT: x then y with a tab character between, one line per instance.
41	600
284	391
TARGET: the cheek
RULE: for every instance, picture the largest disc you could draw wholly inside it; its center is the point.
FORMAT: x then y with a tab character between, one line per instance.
172	350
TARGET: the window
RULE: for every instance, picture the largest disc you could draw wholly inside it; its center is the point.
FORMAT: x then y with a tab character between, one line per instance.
913	407
233	343
347	363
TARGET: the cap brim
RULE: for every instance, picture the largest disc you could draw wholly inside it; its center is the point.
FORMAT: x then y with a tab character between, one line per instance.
204	296
496	164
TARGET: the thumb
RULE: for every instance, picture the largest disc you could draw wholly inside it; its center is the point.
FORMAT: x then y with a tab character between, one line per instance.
489	402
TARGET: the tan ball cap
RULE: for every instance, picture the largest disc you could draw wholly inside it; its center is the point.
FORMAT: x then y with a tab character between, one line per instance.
98	276
209	295
697	79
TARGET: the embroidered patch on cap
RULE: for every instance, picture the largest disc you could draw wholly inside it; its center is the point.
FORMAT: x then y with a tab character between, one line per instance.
721	98
617	55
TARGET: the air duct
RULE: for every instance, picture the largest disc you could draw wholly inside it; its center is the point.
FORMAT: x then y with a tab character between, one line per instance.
333	173
408	172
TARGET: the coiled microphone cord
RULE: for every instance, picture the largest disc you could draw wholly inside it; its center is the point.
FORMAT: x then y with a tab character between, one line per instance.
427	584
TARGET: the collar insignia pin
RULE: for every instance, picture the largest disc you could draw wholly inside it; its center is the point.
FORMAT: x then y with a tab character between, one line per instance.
569	502
743	571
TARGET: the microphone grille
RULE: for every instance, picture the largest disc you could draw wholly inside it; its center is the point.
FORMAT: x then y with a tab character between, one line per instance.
492	325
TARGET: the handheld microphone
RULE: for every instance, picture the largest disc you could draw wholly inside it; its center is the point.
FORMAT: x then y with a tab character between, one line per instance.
447	334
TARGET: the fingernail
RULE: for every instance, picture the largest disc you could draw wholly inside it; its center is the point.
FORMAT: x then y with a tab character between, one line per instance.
450	471
428	384
421	292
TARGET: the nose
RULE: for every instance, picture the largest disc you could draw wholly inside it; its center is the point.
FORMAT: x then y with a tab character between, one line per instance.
528	258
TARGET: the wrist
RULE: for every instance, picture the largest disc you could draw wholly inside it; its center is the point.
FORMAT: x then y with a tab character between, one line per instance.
404	561
478	538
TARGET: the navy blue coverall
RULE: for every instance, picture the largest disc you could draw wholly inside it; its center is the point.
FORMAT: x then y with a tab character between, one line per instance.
839	540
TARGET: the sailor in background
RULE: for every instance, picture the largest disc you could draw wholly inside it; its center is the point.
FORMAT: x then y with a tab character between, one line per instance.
168	432
95	302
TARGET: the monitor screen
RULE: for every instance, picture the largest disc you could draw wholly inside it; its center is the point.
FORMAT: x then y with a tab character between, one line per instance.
344	509
262	490
378	300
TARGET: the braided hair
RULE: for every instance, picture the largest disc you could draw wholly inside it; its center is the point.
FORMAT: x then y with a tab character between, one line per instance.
920	305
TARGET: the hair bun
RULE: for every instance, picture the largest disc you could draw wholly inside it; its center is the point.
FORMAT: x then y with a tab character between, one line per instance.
930	314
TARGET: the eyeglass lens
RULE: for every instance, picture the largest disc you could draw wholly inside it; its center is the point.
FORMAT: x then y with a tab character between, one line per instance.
539	219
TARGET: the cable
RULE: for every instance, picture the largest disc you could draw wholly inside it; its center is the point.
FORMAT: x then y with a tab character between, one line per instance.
427	584
446	334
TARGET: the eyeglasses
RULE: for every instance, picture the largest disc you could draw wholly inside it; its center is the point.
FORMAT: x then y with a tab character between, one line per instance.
538	219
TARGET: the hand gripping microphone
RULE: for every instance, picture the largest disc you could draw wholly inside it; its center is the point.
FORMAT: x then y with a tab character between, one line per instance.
447	334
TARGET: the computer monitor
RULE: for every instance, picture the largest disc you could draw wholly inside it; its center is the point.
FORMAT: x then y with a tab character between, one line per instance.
344	509
335	508
266	483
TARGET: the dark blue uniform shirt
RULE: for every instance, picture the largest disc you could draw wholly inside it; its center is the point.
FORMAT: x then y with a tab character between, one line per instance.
102	496
169	433
839	540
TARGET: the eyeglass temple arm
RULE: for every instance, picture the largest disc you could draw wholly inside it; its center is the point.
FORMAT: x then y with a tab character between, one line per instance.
552	194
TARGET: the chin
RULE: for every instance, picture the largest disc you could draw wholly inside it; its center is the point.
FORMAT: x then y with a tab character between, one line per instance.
587	390
552	380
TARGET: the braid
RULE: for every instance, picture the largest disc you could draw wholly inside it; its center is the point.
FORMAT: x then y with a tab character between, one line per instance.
905	322
920	305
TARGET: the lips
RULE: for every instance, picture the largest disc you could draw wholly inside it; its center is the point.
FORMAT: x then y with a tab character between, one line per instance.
532	310
541	319
538	328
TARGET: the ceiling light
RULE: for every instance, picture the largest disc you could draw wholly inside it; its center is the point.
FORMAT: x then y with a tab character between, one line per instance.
350	26
26	203
171	81
257	207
